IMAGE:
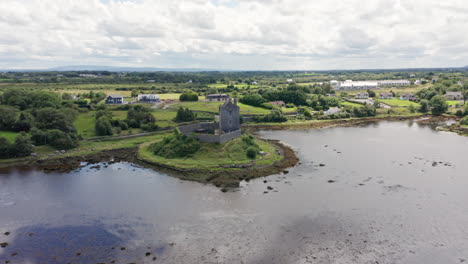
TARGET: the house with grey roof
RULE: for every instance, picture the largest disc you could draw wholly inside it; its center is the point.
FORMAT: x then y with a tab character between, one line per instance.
114	99
386	96
453	96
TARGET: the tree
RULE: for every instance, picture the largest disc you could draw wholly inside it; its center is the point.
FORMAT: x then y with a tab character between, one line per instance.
103	127
376	104
7	117
188	96
439	105
23	123
134	93
176	145
185	115
22	146
50	118
424	106
371	93
252	152
5	148
252	99
138	115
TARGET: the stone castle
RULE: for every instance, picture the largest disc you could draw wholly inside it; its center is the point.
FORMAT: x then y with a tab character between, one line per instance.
226	129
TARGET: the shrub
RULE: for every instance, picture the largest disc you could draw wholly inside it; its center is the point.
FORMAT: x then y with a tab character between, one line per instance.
176	145
188	96
274	116
103	127
252	99
267	106
439	105
424	106
252	152
185	115
464	121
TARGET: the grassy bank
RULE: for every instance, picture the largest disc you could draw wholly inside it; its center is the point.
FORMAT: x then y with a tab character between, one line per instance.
211	156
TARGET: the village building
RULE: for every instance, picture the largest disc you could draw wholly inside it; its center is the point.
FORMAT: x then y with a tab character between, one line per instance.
217	97
278	103
453	96
386	96
86	75
332	110
114	99
148	98
361	85
362	95
407	96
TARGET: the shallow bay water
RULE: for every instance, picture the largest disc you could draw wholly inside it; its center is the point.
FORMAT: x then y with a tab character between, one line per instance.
386	192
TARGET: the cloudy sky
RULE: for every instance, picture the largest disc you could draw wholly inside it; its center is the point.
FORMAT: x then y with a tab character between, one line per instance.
234	34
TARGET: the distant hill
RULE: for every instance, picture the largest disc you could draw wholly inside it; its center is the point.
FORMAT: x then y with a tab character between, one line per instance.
125	69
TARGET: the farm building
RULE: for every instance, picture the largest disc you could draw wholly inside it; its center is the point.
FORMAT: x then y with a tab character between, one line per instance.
217	97
148	98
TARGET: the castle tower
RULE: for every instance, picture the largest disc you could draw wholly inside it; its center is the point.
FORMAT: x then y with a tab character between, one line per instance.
229	116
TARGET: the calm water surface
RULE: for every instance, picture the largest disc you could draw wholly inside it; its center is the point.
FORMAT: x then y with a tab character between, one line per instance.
390	192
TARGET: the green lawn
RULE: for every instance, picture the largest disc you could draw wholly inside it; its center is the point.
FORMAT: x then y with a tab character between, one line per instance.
398	102
351	104
452	103
212	156
84	124
10	136
214	108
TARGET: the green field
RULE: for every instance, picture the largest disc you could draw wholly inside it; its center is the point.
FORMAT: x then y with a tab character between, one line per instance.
454	103
398	102
214	156
10	136
351	104
214	108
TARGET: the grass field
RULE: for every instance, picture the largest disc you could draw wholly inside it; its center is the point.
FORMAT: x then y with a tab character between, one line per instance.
408	89
10	136
240	86
398	102
351	104
454	103
212	156
214	108
84	124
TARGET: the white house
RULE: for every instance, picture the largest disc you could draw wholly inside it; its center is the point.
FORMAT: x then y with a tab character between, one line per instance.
332	110
148	98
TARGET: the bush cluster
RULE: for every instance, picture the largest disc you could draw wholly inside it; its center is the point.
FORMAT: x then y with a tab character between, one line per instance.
176	145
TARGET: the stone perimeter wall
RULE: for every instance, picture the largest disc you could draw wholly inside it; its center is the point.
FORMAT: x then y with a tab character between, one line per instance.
188	130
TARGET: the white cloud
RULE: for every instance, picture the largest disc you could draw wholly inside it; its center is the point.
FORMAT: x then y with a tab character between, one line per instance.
234	34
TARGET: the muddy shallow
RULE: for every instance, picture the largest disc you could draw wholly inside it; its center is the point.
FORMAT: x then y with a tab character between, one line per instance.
389	192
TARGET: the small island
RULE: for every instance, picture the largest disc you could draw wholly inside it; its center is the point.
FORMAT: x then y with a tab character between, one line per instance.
217	152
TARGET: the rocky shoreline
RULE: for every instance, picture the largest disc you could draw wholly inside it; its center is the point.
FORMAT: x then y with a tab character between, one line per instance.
231	177
224	177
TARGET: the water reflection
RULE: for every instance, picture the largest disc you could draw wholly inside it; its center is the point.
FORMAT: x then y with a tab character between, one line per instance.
64	244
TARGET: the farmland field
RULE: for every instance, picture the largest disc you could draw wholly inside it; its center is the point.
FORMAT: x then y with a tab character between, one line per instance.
398	102
213	107
9	135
